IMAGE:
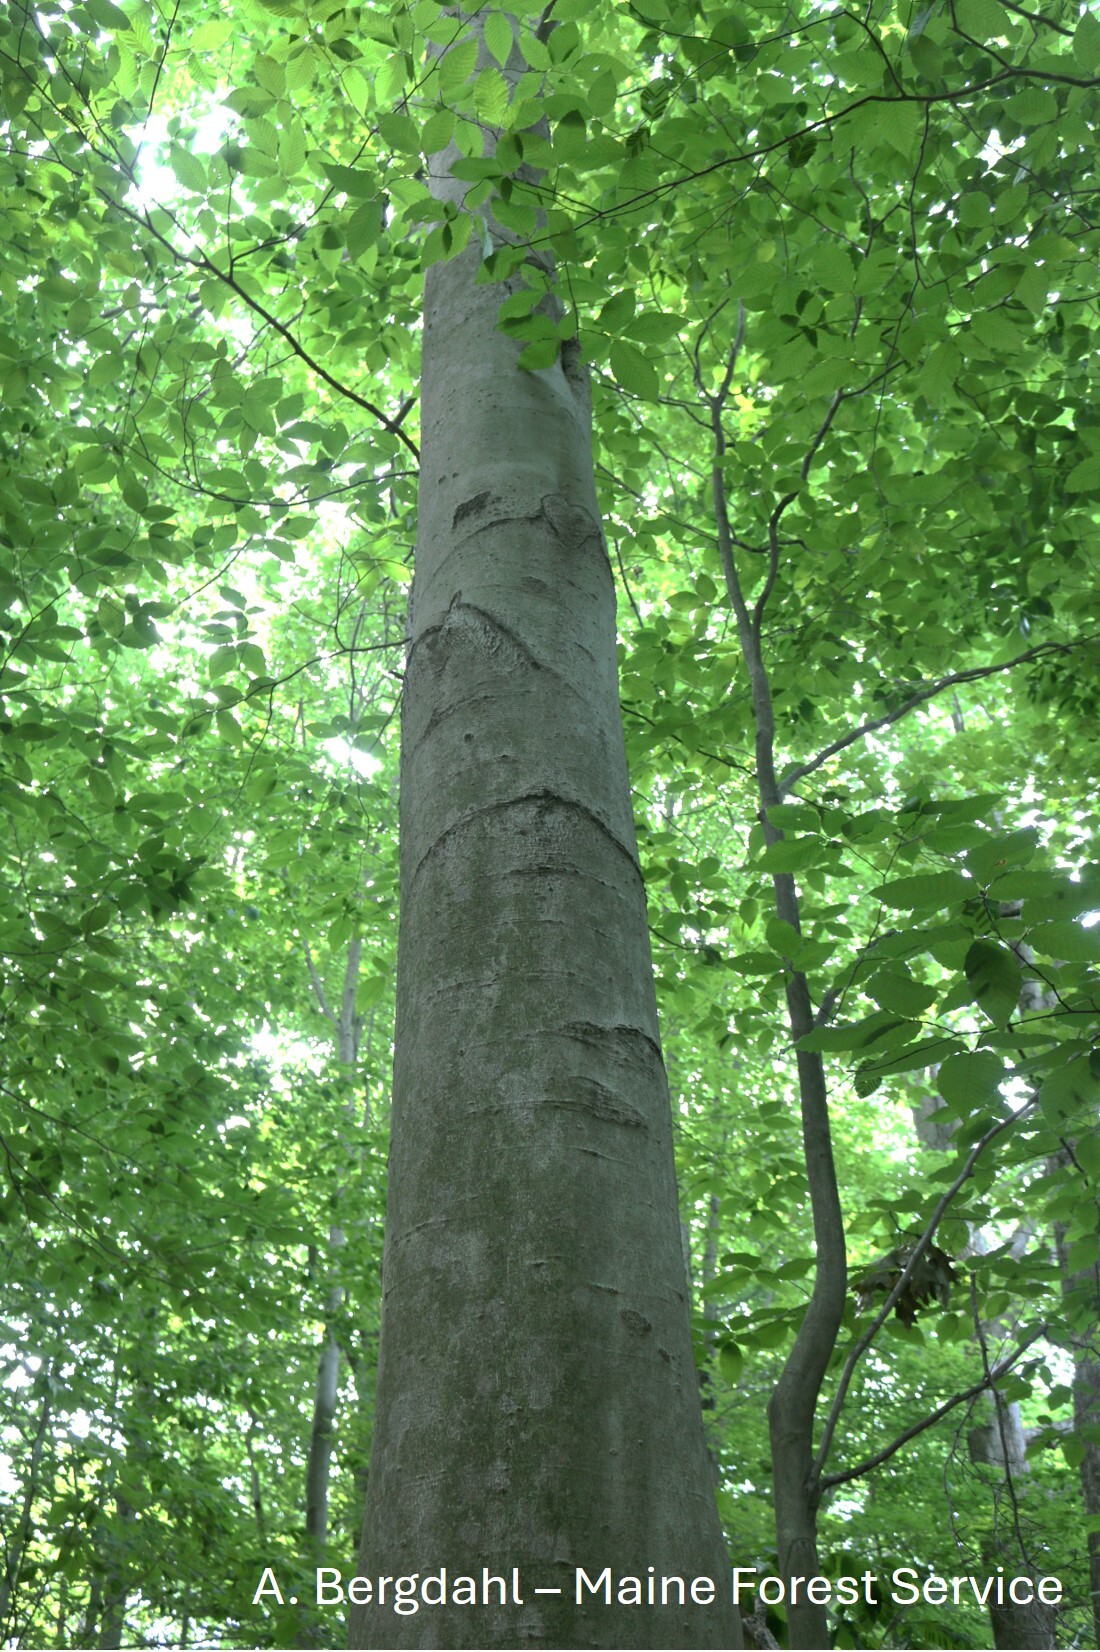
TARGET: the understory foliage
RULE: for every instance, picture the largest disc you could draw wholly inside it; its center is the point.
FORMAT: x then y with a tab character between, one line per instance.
833	270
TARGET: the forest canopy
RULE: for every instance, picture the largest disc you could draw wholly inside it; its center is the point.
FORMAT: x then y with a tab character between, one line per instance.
832	274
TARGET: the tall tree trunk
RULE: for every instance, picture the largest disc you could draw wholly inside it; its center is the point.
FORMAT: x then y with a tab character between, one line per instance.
15	1553
1081	1296
1002	1444
537	1403
322	1433
792	1408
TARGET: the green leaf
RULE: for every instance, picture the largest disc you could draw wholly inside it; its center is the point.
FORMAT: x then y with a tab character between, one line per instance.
401	134
783	938
795	817
491	95
731	1362
1084	477
1069	1091
1073	1450
498	36
901	993
188	169
970	1083
1067	940
1087	1153
981	19
922	1052
1034	106
924	891
634	372
857	1035
793	854
457	67
543	352
107	14
995	975
1086	42
901	125
993	857
210	35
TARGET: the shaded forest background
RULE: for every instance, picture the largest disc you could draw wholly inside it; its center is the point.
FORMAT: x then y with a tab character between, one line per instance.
834	273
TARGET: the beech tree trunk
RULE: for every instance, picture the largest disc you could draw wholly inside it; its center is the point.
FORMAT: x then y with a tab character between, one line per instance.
537	1402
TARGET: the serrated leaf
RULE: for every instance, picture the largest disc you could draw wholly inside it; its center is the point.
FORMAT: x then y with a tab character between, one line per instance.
900	993
1070	1088
1084	477
901	125
856	1035
927	57
1034	106
981	19
795	817
1087	1153
1073	1451
457	67
793	854
1086	42
994	973
654	327
997	854
491	96
401	134
1067	940
633	371
364	227
543	352
438	130
188	169
925	891
783	937
223	659
498	36
209	36
107	14
923	1052
970	1082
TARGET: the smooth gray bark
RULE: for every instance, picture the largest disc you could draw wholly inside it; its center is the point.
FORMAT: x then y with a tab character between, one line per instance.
537	1402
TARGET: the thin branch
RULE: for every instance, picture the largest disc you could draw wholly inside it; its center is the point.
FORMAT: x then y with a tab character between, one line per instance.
626	582
801	770
988	1381
318	986
861	1345
719	400
776	517
1033	17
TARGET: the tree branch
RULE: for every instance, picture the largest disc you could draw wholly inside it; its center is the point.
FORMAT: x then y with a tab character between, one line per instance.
319	986
989	1381
801	770
860	1347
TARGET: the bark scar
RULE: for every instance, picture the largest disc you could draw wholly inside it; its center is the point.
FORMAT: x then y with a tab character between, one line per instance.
470	507
593	1032
571	523
601	1103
